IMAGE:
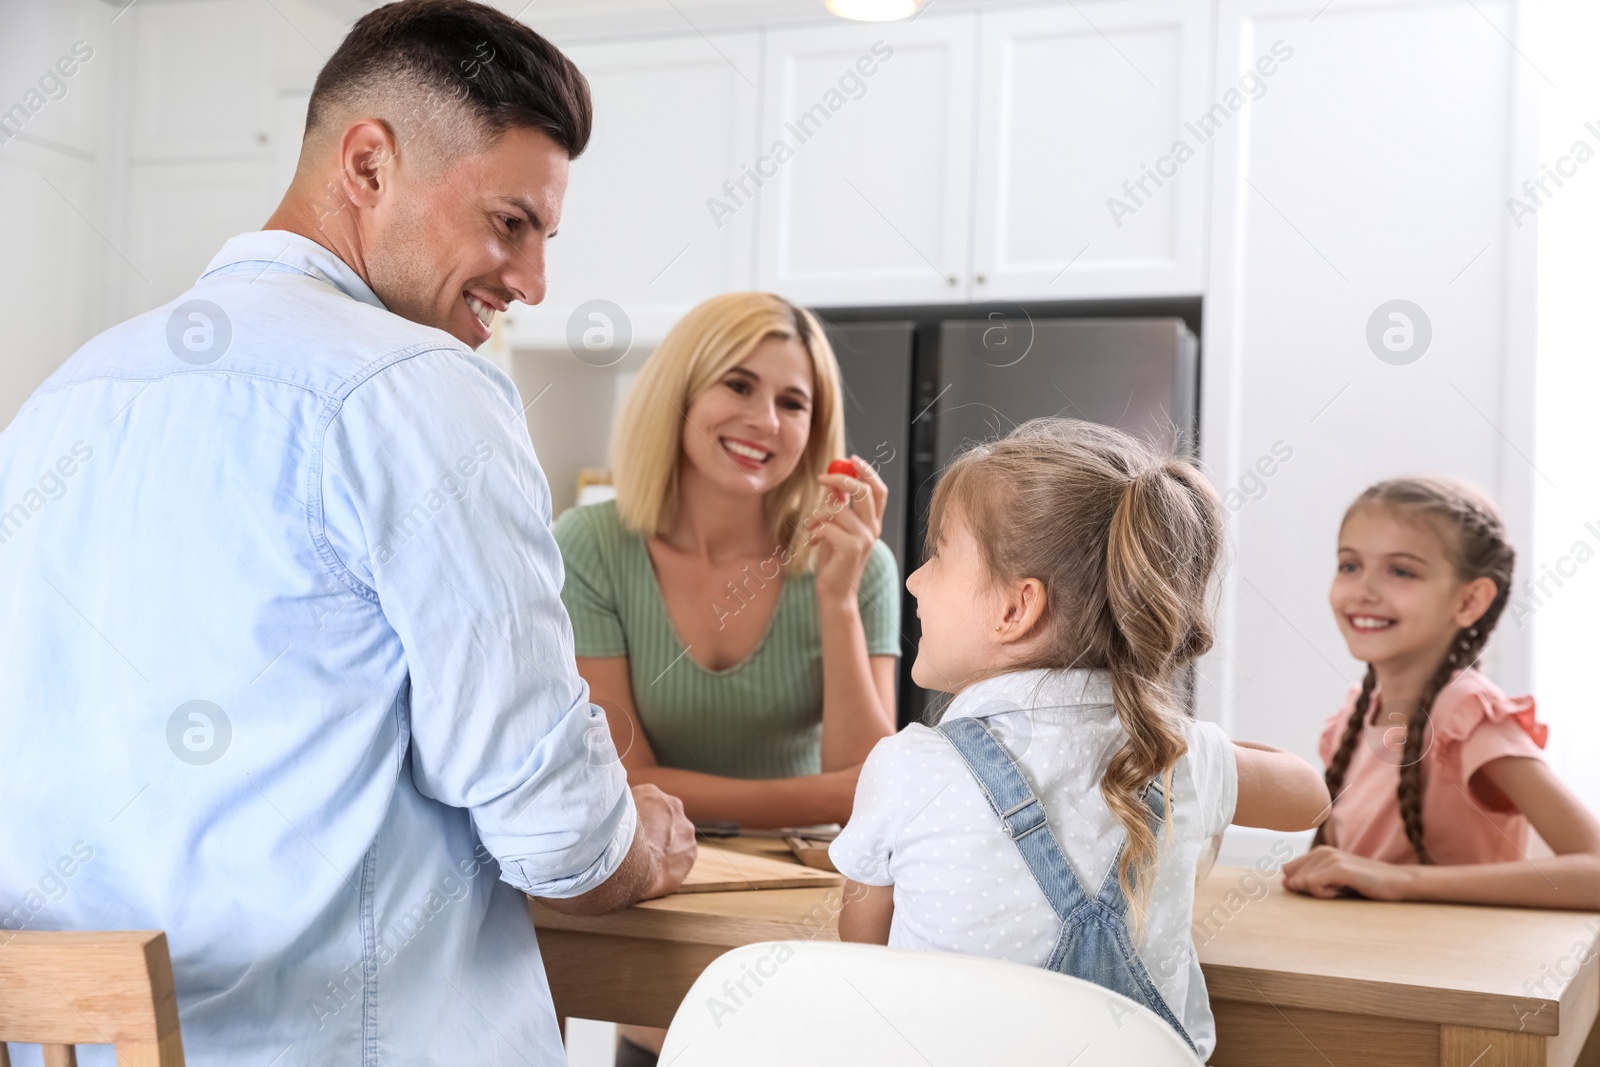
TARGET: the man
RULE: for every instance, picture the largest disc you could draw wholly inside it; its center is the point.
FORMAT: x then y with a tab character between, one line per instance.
286	671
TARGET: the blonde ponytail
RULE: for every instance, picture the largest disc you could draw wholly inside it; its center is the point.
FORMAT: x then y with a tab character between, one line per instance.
1125	541
1158	610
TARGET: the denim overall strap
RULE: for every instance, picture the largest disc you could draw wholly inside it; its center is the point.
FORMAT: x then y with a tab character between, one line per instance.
1110	893
1094	943
1020	812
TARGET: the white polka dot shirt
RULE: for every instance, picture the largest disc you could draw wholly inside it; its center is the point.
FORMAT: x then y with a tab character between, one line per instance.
921	824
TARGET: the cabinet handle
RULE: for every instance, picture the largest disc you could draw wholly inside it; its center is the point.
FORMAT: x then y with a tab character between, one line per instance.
980	279
952	280
261	138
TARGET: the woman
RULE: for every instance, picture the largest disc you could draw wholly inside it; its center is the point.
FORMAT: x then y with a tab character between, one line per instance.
734	611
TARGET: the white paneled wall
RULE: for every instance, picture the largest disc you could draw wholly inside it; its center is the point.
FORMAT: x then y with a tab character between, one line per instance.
201	120
1375	168
674	121
1561	223
203	80
1089	180
56	66
570	409
177	209
875	193
177	128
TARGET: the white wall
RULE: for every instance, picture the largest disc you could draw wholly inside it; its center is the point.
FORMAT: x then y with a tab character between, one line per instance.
126	177
1562	616
1376	167
52	230
571	407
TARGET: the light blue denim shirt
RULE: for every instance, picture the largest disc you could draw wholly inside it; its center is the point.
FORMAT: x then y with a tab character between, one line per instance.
284	672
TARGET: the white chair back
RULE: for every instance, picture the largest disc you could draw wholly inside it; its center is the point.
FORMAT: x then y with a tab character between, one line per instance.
780	1003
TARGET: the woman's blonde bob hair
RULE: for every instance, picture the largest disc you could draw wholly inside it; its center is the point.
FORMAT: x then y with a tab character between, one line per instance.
713	338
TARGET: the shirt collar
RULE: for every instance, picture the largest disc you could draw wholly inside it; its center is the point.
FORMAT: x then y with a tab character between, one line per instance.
279	250
1026	690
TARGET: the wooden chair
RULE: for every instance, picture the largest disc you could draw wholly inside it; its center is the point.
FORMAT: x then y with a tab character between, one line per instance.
65	989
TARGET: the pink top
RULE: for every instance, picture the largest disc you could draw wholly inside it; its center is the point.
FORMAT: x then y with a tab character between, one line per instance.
1463	821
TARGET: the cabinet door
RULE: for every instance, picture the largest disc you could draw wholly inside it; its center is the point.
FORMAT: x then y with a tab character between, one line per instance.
866	162
1091	161
673	120
204	79
54	258
1376	170
179	216
58	70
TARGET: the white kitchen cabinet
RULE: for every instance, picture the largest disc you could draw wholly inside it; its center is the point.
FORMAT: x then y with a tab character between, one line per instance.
866	162
203	156
204	79
59	65
49	276
1091	160
179	216
936	160
674	120
1376	168
57	73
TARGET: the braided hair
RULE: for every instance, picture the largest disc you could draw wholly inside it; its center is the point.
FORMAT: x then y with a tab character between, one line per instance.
1476	540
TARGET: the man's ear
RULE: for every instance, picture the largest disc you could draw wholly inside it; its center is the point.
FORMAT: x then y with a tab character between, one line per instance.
367	153
1023	606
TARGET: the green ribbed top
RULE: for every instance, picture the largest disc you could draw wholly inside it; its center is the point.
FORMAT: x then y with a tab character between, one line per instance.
762	717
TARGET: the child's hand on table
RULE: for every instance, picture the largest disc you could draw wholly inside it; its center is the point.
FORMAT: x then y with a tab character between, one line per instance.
1324	871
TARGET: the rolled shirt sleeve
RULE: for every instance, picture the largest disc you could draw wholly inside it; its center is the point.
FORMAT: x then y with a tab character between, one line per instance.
434	507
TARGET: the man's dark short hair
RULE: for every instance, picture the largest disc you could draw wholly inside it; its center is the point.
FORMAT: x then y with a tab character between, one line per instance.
457	56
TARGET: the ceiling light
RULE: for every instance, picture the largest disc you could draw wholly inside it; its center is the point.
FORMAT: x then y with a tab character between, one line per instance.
874	10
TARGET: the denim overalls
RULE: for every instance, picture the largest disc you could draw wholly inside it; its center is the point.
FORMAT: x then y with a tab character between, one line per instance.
1094	944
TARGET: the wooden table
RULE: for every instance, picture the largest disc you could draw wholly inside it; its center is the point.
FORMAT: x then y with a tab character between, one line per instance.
1292	980
636	965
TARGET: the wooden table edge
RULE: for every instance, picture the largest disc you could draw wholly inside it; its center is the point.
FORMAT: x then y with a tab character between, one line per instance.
1390	1000
710	928
723	920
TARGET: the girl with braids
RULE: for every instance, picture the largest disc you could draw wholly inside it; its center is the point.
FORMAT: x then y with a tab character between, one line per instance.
1435	773
1055	814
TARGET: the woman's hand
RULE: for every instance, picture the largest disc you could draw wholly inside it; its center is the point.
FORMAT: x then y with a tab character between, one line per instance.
845	532
1324	871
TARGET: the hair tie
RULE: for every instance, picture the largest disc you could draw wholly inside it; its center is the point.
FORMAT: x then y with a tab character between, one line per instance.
1149	474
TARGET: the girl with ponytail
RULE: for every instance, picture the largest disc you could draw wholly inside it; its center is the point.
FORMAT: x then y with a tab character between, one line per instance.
1055	814
1436	773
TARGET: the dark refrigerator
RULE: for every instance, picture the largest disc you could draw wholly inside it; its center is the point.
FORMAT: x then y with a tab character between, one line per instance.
921	384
